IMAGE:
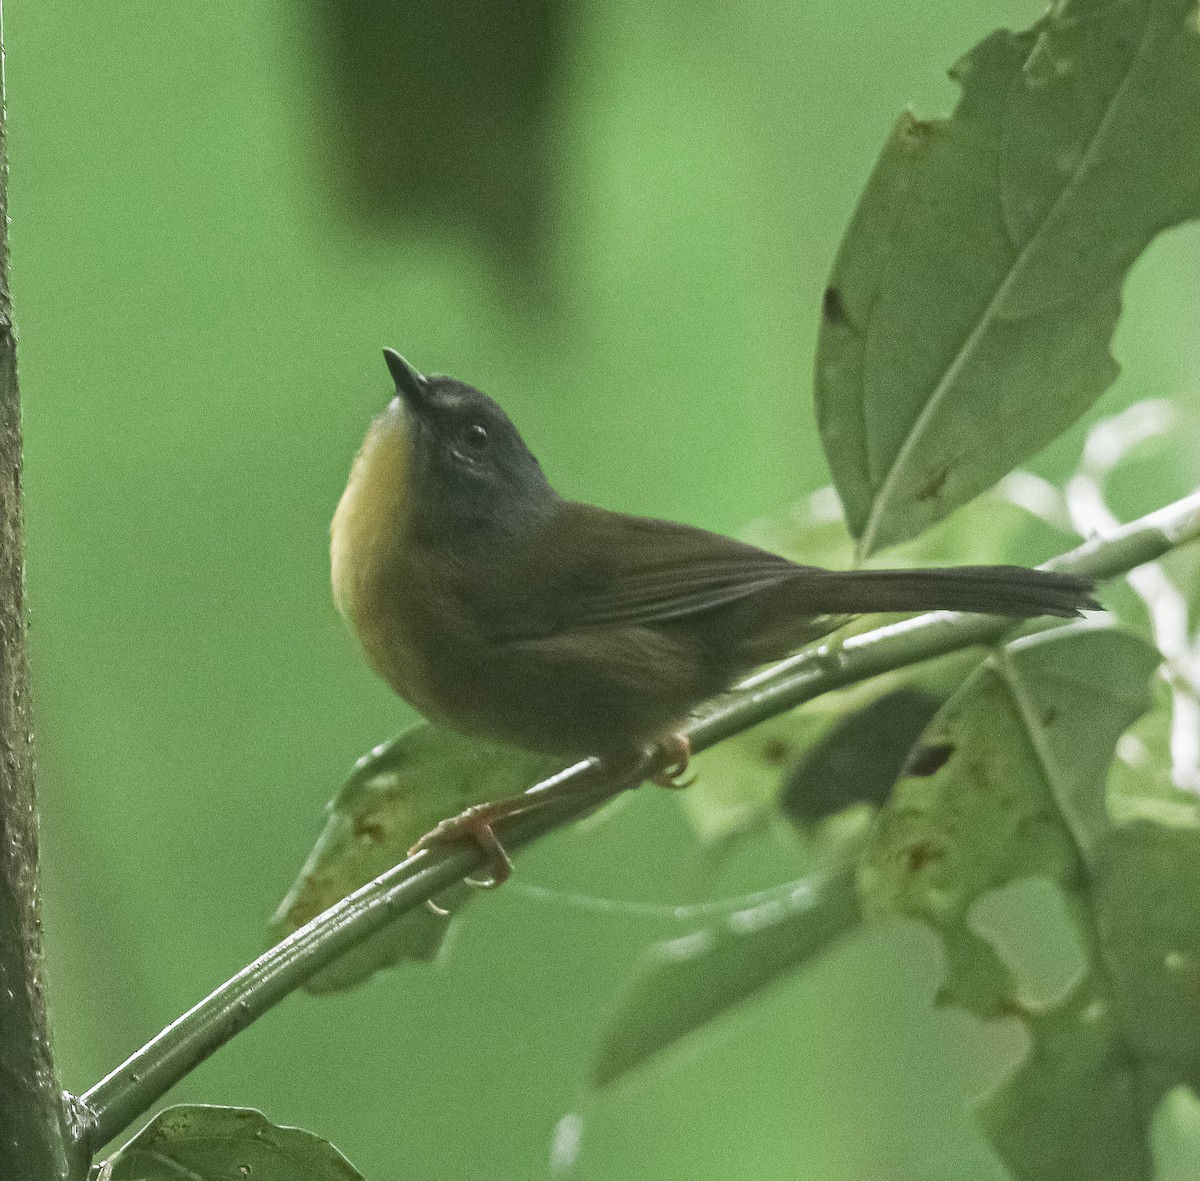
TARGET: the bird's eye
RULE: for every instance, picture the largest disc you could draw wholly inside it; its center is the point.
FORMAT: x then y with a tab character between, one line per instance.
474	438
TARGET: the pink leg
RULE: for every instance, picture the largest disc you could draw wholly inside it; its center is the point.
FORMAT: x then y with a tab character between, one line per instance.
664	765
475	824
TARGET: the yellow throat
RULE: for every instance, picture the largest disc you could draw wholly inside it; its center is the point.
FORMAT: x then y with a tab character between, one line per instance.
370	520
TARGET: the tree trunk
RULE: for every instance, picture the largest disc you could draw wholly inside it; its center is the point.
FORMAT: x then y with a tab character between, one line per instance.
34	1139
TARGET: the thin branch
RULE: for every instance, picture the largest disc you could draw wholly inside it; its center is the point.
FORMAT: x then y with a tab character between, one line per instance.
130	1090
34	1138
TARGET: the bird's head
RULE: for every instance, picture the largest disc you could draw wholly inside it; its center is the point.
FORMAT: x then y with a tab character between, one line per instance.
468	478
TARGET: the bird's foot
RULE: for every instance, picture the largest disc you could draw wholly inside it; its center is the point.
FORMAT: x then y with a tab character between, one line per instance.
665	765
668	760
476	824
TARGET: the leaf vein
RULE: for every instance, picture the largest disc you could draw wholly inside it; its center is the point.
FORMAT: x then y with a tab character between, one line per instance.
991	312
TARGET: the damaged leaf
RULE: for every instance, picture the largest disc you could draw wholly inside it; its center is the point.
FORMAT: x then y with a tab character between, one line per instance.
976	291
396	794
1020	794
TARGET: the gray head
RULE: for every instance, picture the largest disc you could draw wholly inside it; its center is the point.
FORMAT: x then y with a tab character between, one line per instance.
472	480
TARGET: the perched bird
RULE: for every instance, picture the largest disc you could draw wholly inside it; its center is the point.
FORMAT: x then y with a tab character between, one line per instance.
501	609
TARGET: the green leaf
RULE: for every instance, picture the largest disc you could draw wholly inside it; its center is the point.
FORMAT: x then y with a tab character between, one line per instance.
1019	791
396	794
1025	738
972	303
688	981
1077	690
1081	1105
1070	1112
1147	900
983	812
200	1143
860	758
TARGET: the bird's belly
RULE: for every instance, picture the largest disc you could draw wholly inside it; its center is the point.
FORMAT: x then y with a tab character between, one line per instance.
391	653
604	690
609	693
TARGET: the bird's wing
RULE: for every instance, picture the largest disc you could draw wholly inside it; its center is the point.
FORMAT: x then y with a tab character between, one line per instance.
686	585
609	568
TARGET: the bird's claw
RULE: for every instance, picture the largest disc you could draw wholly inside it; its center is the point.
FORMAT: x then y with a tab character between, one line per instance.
475	824
672	756
665	765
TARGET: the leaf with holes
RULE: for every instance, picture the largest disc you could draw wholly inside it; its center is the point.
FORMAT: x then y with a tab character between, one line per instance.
203	1143
1081	1104
1014	787
396	794
969	314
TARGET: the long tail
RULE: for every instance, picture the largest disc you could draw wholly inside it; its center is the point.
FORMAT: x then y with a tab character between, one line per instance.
781	618
989	590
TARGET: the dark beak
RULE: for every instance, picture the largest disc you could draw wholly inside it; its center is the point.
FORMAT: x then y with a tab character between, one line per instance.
410	385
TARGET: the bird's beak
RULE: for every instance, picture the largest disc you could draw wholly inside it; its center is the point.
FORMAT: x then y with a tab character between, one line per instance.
410	385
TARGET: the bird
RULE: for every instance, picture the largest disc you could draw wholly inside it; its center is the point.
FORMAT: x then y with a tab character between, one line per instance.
499	608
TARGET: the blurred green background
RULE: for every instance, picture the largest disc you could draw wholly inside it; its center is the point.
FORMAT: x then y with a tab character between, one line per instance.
623	236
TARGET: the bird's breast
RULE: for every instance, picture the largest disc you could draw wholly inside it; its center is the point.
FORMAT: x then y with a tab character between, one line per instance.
368	543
